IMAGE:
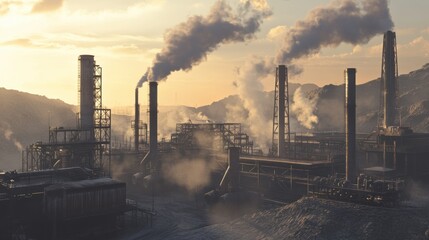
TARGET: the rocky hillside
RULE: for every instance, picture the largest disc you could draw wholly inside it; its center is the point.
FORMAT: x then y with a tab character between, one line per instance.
25	119
413	101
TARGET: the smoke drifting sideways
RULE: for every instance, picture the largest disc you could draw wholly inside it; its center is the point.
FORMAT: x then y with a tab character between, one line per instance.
344	21
187	44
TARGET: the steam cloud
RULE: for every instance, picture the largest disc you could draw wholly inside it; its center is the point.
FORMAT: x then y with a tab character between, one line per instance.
178	173
189	43
250	91
304	109
343	21
169	119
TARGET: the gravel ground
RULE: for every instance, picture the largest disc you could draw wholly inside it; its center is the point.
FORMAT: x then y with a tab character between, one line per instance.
178	217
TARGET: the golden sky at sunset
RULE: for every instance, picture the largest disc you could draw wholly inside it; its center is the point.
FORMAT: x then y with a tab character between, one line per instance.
41	40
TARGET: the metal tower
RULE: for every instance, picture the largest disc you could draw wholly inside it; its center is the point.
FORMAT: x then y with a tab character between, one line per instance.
281	126
388	112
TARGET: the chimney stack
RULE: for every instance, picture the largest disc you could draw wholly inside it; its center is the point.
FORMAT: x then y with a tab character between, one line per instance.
350	123
281	73
153	117
137	121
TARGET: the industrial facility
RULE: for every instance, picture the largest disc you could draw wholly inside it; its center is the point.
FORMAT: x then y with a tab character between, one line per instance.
65	183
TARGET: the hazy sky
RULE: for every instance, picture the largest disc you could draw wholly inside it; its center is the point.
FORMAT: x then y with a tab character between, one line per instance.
40	42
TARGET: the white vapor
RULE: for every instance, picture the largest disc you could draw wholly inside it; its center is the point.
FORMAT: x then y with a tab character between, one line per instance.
304	108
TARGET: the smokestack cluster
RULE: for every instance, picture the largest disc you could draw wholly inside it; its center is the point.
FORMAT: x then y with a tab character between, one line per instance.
348	21
350	123
188	43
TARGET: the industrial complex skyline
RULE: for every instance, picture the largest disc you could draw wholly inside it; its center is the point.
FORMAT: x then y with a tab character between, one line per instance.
41	39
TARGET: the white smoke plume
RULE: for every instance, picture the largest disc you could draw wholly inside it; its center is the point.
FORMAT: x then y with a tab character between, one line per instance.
9	136
250	90
342	21
188	43
304	108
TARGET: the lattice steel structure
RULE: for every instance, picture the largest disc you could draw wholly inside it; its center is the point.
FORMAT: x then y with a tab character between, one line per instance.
216	136
141	131
88	145
388	112
281	125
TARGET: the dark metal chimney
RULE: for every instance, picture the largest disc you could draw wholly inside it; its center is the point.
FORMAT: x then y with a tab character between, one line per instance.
350	123
137	121
234	167
86	89
153	117
281	72
389	85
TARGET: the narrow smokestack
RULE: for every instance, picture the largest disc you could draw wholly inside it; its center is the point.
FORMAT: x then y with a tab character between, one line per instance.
389	74
86	90
137	121
350	124
281	74
234	167
153	117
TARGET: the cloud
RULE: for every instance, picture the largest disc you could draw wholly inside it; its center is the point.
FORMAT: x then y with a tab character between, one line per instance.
277	33
47	6
5	6
22	42
416	47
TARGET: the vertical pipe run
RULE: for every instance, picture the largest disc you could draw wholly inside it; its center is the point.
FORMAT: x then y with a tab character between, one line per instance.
281	73
234	167
153	117
137	121
350	123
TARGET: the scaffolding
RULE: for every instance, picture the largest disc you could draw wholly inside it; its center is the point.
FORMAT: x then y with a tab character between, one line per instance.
76	147
388	111
216	136
142	132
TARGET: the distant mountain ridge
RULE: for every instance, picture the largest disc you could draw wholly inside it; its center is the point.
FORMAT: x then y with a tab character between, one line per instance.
25	118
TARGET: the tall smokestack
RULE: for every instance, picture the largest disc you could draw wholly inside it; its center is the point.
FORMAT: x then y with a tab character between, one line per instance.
389	85
153	117
350	124
281	74
86	82
137	121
